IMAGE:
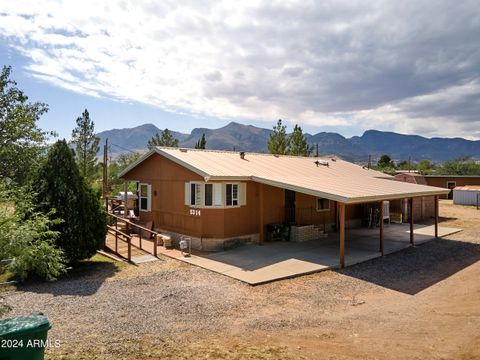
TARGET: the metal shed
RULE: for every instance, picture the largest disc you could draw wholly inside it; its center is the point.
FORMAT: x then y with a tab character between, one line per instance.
467	195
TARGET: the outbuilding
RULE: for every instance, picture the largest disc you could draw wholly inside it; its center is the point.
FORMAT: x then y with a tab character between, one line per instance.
467	195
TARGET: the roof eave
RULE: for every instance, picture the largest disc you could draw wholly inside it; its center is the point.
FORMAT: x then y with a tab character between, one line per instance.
166	155
135	163
359	200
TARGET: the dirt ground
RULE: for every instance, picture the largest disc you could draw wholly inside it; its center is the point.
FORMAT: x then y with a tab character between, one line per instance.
420	303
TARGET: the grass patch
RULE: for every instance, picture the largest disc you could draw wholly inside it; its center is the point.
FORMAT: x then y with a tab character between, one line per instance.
97	266
6	276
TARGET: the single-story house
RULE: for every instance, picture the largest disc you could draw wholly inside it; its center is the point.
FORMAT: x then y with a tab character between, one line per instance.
222	197
451	181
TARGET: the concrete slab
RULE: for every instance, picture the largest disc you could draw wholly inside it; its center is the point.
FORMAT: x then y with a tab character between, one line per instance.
256	264
143	259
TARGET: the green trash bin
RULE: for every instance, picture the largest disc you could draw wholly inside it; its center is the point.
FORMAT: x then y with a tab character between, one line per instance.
24	337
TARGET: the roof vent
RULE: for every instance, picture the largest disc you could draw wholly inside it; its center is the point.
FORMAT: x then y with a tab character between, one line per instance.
321	162
242	155
183	150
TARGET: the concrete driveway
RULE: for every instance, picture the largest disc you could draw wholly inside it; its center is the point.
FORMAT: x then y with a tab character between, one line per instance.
255	264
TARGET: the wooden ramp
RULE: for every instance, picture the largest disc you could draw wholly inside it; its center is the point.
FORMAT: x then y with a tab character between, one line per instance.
138	256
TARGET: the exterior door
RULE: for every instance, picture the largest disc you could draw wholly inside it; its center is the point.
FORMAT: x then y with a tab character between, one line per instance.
451	185
289	207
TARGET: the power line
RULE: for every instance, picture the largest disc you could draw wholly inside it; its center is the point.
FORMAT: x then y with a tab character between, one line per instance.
123	148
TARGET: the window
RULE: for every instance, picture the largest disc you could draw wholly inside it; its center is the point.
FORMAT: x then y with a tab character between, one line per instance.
451	184
208	194
145	191
232	195
195	194
323	204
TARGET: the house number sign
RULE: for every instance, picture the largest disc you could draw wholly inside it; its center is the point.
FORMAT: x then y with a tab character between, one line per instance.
195	212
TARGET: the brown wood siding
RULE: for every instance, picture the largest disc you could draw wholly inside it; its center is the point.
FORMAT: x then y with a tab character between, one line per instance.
168	195
460	181
169	211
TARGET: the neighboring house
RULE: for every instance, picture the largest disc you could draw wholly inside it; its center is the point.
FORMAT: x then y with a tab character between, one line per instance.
451	181
423	206
219	198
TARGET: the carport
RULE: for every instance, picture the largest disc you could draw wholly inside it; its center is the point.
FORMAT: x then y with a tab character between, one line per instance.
255	264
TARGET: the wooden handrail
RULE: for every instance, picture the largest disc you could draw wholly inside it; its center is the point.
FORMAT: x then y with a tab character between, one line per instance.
128	240
135	225
118	231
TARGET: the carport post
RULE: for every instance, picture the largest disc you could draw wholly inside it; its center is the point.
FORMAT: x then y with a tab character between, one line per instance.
381	227
260	209
436	216
410	203
341	211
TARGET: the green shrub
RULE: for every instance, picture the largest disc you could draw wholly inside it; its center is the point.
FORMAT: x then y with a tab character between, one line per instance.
26	238
60	187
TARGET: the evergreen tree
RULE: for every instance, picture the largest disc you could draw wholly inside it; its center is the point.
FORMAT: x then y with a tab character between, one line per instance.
279	141
86	142
59	185
163	138
385	161
21	141
201	143
298	144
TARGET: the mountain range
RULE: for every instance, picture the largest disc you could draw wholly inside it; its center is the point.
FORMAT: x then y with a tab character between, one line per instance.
251	138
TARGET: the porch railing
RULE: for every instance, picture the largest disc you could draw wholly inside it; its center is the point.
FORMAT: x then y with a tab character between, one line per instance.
129	224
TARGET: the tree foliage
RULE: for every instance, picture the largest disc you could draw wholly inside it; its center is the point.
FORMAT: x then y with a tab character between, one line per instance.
425	167
59	185
163	138
460	166
279	141
201	143
22	142
385	161
86	145
298	144
116	166
27	241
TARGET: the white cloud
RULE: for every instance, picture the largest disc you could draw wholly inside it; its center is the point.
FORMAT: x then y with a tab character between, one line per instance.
408	66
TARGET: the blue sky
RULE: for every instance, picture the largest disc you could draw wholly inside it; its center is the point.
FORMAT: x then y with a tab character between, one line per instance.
345	66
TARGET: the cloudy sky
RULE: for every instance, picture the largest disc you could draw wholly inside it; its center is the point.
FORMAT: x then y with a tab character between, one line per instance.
345	66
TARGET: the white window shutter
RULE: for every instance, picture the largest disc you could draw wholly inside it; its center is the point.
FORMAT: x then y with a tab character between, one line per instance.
242	194
217	195
149	197
187	193
200	200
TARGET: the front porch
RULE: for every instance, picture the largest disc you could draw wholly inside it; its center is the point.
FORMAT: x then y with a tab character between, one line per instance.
255	264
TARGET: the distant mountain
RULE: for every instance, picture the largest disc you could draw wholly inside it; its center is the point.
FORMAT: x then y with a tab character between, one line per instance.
135	139
251	138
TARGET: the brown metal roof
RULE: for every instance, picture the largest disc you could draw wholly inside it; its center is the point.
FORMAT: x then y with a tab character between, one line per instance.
333	179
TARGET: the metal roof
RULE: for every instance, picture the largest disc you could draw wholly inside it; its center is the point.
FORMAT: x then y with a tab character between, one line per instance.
339	180
468	188
452	176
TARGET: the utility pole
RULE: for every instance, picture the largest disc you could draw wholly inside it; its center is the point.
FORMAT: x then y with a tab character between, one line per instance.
316	145
105	173
369	162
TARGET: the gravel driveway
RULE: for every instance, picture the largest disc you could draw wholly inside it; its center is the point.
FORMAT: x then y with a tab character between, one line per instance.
106	310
